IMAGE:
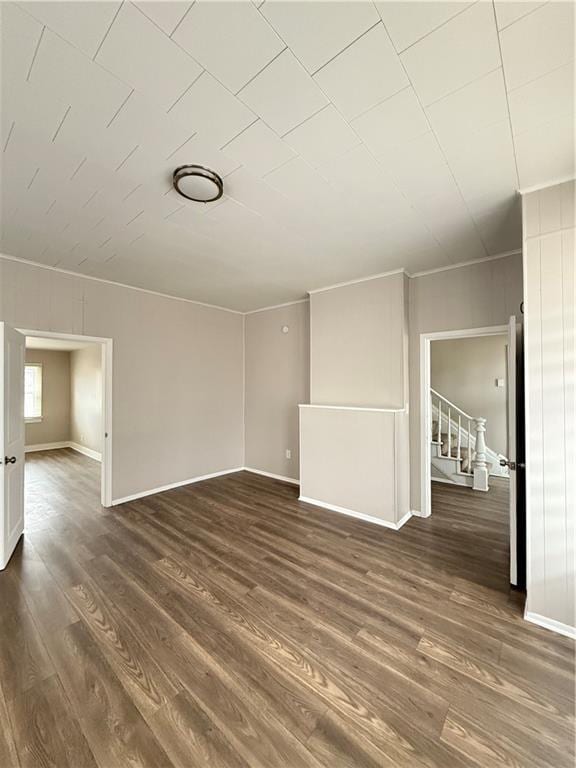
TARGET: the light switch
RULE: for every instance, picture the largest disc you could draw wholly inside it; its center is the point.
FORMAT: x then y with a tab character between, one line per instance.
499	382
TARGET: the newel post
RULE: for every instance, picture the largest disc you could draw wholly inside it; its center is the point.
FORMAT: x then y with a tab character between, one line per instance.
479	464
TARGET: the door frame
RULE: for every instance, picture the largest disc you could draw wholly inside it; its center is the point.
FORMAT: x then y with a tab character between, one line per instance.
107	357
425	421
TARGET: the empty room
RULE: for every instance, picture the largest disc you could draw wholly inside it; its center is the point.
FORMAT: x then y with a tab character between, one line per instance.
287	384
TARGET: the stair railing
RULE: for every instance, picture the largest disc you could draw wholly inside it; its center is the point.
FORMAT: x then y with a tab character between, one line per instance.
477	465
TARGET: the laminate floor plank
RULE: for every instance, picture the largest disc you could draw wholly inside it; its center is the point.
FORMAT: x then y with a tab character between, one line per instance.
226	624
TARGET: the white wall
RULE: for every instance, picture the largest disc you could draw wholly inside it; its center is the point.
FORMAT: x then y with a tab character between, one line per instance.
465	372
548	223
178	371
86	428
358	344
277	380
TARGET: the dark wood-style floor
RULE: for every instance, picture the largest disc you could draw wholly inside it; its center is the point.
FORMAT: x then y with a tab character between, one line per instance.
226	624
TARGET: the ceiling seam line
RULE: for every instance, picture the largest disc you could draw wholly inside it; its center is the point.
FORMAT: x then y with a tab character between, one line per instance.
35	54
115	115
247	83
506	94
431	32
349	45
108	31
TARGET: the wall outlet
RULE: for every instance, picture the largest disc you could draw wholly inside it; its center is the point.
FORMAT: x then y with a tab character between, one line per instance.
288	453
500	383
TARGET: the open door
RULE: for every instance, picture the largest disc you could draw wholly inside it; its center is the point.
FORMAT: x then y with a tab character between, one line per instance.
12	345
515	452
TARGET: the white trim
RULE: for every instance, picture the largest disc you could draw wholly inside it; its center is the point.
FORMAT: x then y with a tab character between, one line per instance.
447	481
417	513
114	282
551	624
46	446
85	451
271	475
33	419
425	420
537	187
354	408
107	366
277	306
170	486
358	515
400	271
460	264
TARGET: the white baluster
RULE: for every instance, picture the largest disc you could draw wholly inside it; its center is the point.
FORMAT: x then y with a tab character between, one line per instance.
458	444
440	424
480	467
449	431
469	450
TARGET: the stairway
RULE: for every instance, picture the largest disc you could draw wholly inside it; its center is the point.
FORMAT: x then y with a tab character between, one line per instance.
453	455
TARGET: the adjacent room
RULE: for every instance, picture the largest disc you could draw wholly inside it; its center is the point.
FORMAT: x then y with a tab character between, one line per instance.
287	384
64	427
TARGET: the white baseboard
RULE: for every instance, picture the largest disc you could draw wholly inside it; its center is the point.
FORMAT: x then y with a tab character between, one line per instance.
85	451
46	446
64	444
551	624
359	515
418	513
272	475
169	487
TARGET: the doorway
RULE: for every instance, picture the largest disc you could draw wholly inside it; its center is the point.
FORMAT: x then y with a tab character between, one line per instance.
68	400
457	436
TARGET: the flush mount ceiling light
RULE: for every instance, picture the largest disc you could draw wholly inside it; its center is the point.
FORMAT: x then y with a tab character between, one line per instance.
198	183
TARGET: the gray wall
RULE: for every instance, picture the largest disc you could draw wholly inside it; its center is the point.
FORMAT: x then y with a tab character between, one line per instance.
549	233
178	371
55	424
277	380
358	344
465	372
475	296
86	397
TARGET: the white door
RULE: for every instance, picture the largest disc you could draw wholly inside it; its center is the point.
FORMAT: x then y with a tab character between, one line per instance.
511	397
12	346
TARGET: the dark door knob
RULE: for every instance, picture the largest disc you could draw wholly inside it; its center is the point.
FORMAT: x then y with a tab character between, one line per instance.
9	459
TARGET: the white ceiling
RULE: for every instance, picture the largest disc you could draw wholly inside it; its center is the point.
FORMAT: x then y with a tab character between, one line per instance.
60	345
353	137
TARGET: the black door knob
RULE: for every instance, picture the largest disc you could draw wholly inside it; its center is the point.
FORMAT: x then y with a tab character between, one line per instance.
9	459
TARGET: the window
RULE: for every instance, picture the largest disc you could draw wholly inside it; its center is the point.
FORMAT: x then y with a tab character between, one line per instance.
33	392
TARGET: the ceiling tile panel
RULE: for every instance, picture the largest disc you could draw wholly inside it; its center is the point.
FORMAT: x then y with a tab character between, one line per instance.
538	43
140	54
468	109
488	170
364	74
408	22
394	121
82	24
546	153
317	31
542	100
509	11
260	149
457	53
20	34
167	15
323	136
200	150
210	109
232	40
284	94
61	70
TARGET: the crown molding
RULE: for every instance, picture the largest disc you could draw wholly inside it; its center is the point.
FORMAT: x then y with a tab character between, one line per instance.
400	271
30	263
461	264
553	183
276	306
